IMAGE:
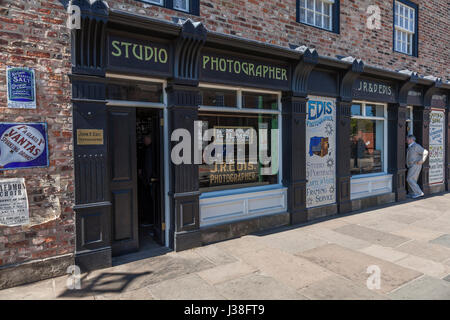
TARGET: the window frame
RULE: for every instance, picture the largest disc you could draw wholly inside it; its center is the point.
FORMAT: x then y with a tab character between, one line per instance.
335	17
410	110
239	110
415	35
194	6
363	116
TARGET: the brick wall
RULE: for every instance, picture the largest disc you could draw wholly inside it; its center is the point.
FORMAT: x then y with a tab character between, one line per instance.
274	21
33	34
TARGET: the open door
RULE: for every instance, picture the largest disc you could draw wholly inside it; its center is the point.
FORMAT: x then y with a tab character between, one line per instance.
123	179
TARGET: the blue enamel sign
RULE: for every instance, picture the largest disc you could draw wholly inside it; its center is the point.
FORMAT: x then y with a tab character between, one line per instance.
21	87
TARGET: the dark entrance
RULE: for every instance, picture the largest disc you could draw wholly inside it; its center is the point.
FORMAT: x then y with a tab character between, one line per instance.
136	178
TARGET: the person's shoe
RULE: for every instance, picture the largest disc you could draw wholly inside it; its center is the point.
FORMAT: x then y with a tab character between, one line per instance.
410	195
418	196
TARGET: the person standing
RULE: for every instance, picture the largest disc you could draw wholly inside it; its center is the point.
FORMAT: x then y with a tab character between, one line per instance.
415	158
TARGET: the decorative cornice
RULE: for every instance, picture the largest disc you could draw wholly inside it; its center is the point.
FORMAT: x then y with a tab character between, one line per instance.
353	72
436	87
302	70
187	51
406	86
94	9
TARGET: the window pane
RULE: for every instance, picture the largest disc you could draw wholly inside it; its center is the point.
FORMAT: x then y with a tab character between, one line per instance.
136	92
356	110
318	22
310	4
367	146
302	3
310	17
374	111
302	15
327	8
319	5
327	22
160	2
218	98
181	5
259	101
234	175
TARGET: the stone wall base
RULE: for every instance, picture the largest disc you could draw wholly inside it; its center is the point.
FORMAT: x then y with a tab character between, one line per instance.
36	270
369	202
438	188
321	212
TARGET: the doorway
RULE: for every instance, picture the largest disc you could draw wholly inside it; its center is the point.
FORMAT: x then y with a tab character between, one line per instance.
136	178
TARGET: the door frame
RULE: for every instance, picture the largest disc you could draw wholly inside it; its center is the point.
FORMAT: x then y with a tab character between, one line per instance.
165	215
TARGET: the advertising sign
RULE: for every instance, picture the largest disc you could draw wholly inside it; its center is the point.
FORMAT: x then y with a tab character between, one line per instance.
437	139
23	145
13	202
320	151
21	87
89	137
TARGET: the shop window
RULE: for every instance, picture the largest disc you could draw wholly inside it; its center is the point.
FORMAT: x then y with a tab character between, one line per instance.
218	98
405	27
322	14
189	6
367	139
234	127
409	121
143	92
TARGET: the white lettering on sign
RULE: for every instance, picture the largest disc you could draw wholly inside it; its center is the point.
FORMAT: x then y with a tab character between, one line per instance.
21	143
320	151
13	202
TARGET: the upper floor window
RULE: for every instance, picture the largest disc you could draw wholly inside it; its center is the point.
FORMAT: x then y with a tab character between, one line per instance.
323	14
189	6
405	27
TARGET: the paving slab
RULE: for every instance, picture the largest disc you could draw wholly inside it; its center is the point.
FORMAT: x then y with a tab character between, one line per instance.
332	236
372	236
443	240
425	250
426	266
384	253
214	255
226	272
190	287
338	288
417	233
353	266
292	241
424	288
257	287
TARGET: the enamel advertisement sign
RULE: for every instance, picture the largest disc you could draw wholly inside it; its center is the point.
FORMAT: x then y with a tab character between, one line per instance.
437	138
320	151
23	145
21	87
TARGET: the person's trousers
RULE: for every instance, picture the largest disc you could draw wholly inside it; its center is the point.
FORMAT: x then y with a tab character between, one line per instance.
413	175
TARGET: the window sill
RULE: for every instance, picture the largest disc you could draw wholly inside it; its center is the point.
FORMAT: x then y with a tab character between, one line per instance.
230	192
370	175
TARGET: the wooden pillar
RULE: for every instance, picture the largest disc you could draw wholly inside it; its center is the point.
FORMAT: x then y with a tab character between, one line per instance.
343	155
294	158
422	133
397	149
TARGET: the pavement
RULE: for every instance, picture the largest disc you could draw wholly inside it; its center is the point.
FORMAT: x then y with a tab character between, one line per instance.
400	251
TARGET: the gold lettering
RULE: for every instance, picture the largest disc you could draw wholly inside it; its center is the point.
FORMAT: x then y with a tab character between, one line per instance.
139	57
205	61
118	52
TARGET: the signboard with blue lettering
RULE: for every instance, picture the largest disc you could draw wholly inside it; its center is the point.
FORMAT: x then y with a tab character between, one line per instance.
321	151
21	87
23	145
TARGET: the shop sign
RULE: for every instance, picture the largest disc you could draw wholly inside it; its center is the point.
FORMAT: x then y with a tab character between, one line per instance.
375	90
145	56
231	69
23	145
437	139
320	151
232	173
13	202
21	88
87	137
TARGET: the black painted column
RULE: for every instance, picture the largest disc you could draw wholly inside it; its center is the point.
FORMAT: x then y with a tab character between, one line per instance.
397	149
422	133
294	158
343	155
447	148
184	178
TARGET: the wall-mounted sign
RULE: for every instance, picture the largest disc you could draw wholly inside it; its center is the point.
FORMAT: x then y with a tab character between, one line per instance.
374	90
143	56
87	137
13	202
437	146
21	88
320	151
23	145
226	68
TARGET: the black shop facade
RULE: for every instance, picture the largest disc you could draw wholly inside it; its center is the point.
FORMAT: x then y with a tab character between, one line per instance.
141	88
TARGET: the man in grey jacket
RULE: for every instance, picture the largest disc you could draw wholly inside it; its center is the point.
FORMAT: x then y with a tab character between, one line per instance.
415	158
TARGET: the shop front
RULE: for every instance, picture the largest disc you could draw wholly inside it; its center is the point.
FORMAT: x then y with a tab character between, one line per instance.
186	137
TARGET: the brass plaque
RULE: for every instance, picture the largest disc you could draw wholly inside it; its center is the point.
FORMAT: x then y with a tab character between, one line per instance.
89	137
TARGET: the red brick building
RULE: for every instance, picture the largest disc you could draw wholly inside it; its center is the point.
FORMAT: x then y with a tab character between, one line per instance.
92	77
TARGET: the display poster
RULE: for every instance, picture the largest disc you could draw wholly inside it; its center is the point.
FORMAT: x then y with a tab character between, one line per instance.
23	145
21	88
320	151
13	202
436	152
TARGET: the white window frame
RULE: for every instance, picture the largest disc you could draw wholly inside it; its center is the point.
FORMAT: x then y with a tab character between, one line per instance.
315	12
401	18
409	110
385	134
162	3
239	109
